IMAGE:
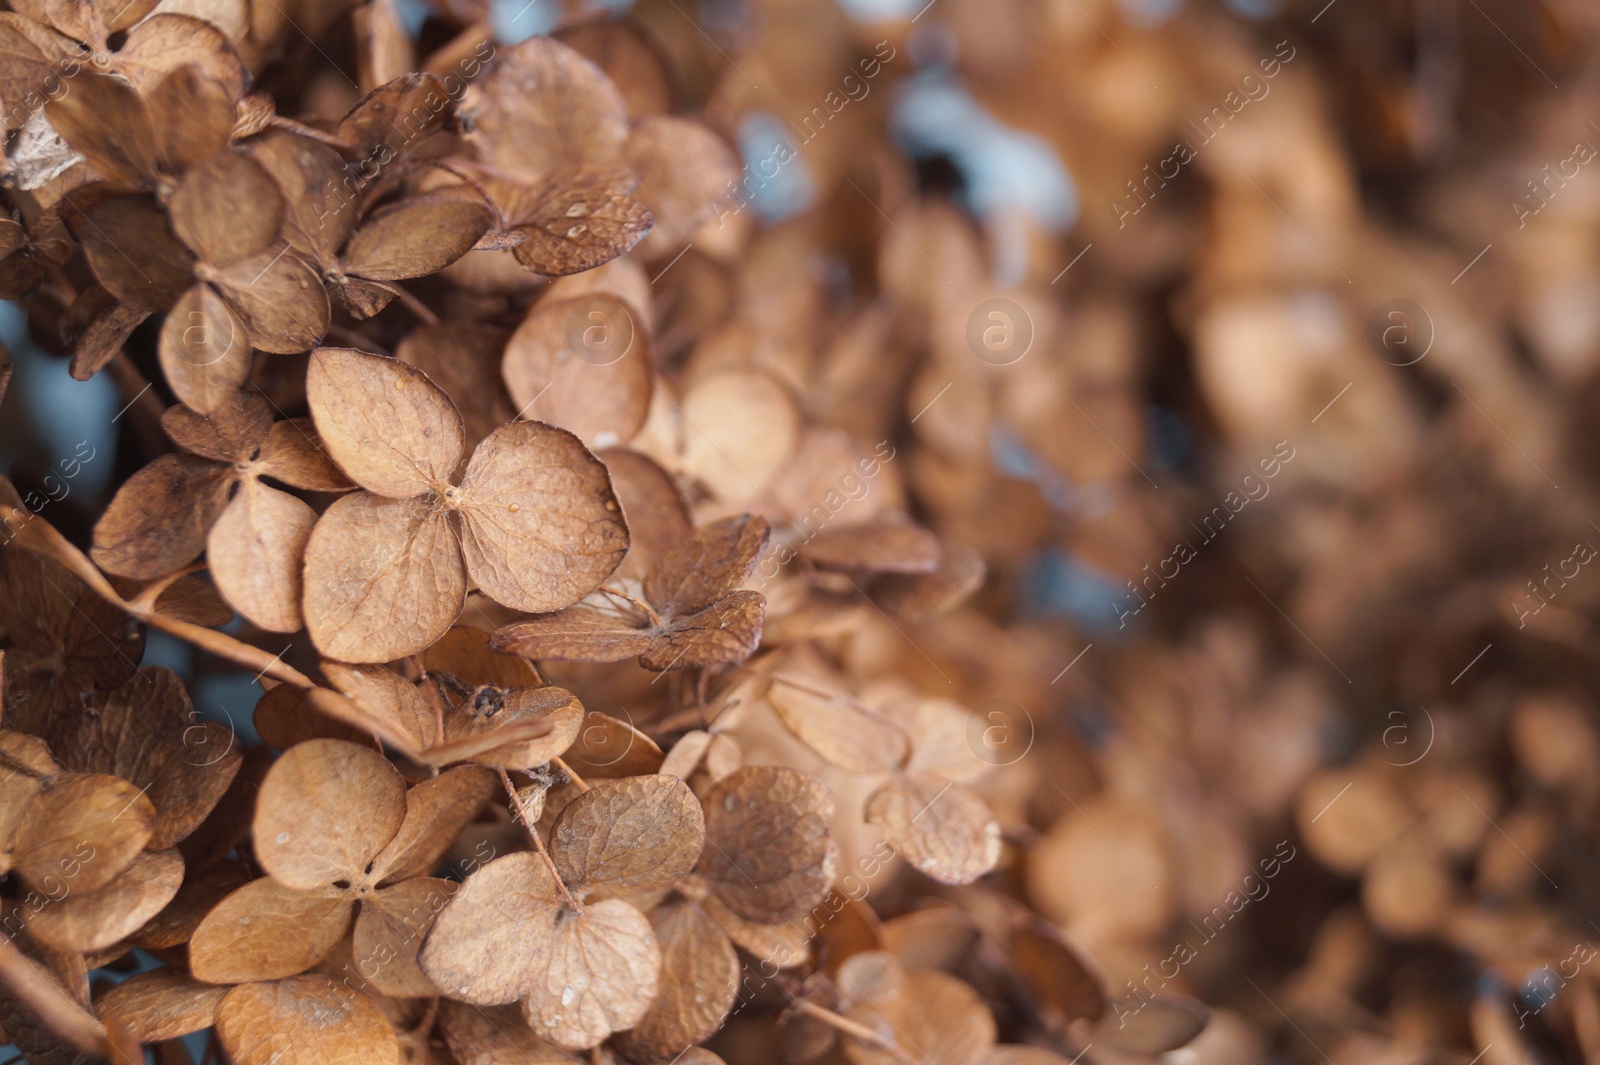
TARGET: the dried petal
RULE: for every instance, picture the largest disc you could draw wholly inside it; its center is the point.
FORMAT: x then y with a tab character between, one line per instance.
699	981
418	236
160	517
161	1004
728	630
581	118
383	578
541	527
717	560
293	454
596	973
578	220
304	1020
227	209
841	731
391	429
582	364
629	836
942	827
325	811
205	349
685	170
94	920
266	931
769	853
486	939
390	930
86	828
436	811
255	552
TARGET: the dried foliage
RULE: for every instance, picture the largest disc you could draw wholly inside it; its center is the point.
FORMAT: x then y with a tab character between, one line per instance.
818	607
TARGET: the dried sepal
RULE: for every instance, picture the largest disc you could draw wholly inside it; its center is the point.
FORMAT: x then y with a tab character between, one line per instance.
699	982
87	827
942	827
326	810
304	1020
629	836
769	853
87	921
161	1004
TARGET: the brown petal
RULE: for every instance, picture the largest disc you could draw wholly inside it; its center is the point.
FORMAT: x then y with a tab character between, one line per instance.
158	520
230	434
96	326
304	1020
383	578
107	121
418	236
541	527
699	981
292	453
94	920
162	1004
1057	972
658	520
783	945
937	1018
284	717
739	427
319	193
580	219
391	429
769	852
164	42
436	811
28	54
460	359
846	734
582	364
629	836
147	732
883	545
464	652
205	350
227	208
494	1035
486	939
18	790
686	171
597	973
582	118
919	598
580	633
393	116
389	698
192	118
728	630
609	747
83	828
279	298
390	930
255	552
717	560
630	58
942	827
325	811
135	254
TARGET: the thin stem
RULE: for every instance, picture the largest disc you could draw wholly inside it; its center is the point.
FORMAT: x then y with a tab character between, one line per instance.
854	1030
533	834
414	305
649	611
7	761
433	700
571	775
307	131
